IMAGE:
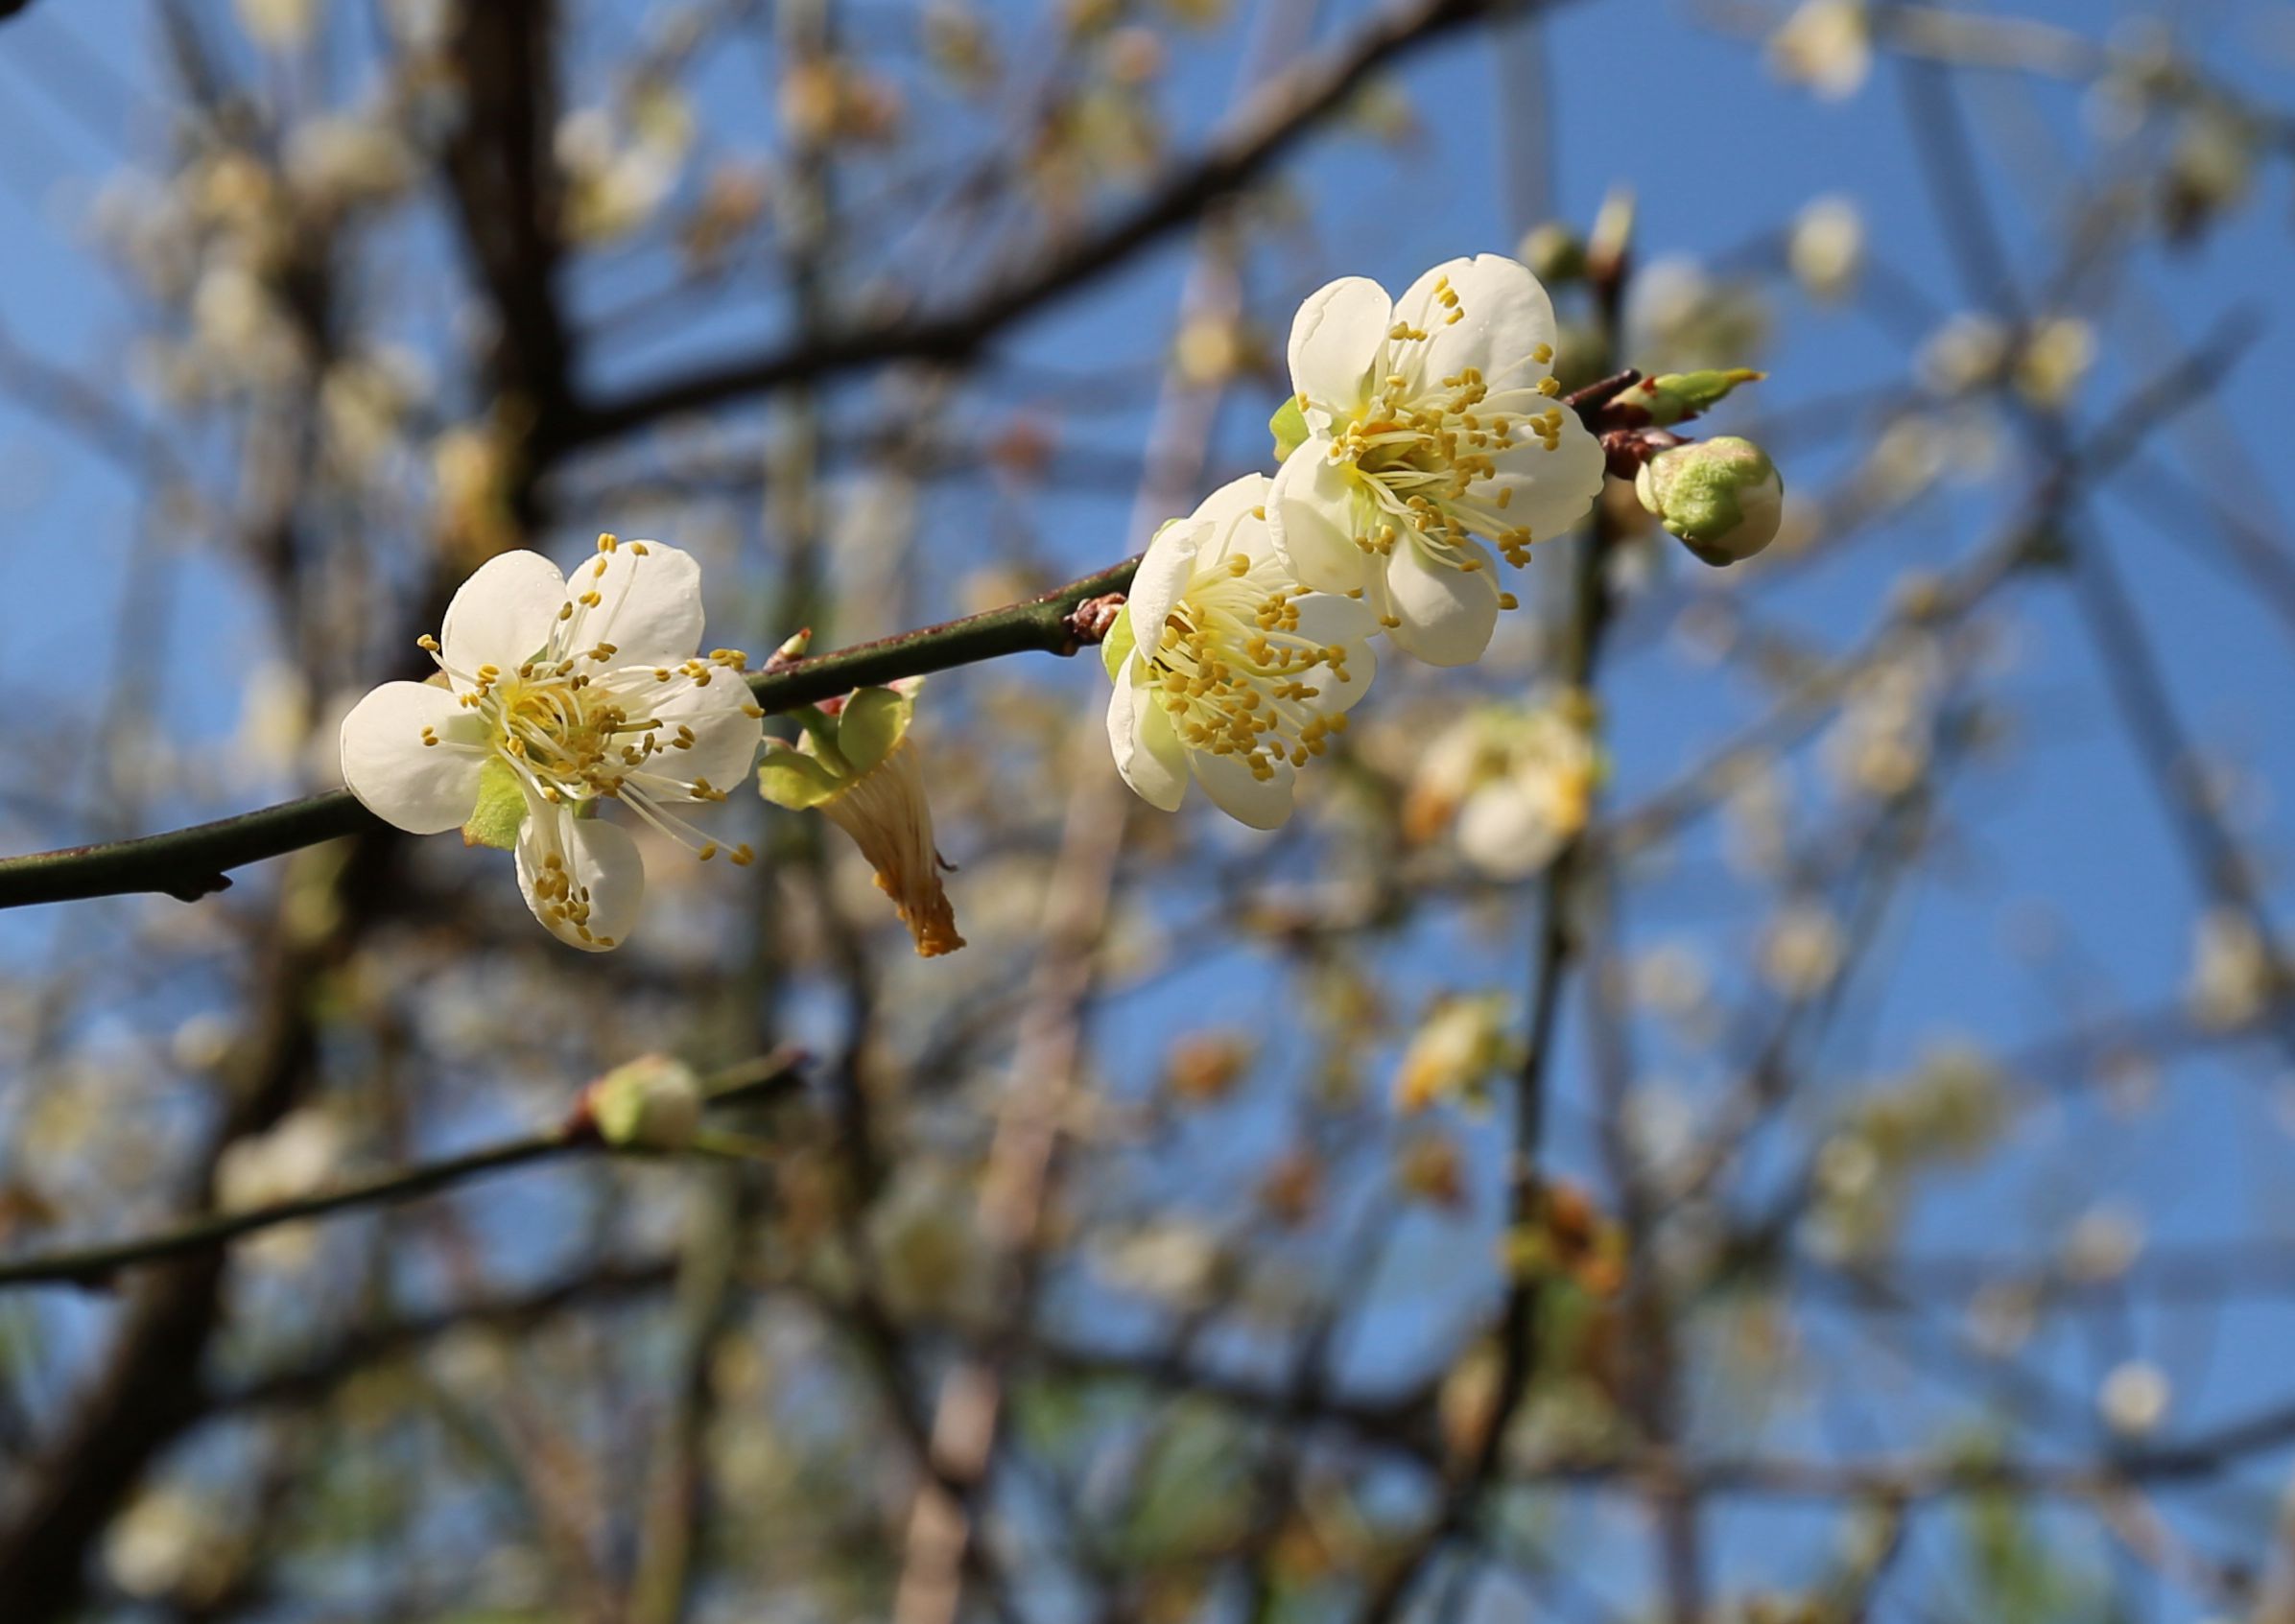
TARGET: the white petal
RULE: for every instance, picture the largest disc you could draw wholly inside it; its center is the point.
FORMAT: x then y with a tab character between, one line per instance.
726	739
503	615
422	789
1507	316
607	876
1311	518
1163	572
1259	803
1148	751
1505	834
1338	348
1446	614
650	603
1552	489
1349	621
1232	513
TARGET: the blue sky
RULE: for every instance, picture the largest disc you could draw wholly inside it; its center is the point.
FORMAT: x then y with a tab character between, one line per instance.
2068	830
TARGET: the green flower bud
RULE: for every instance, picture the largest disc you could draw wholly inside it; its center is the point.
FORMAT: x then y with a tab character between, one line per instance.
1722	497
651	1103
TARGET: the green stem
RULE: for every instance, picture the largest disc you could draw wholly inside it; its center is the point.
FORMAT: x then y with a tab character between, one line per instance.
190	864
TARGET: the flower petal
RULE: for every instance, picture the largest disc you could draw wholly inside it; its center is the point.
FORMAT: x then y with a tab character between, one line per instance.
1446	614
650	603
422	789
1348	621
1552	489
1163	572
1261	803
588	896
1507	316
503	615
1506	833
1147	749
1338	348
1233	512
725	738
1311	521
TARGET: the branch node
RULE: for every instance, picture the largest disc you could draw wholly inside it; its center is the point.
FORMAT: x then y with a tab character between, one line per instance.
196	886
1088	622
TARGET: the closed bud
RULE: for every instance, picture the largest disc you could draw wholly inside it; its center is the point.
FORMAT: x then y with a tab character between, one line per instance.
1722	497
1675	397
651	1103
1555	254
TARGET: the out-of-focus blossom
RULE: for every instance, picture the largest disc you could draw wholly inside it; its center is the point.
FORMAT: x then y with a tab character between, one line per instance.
1681	318
169	1543
2134	1398
1968	352
2102	1244
560	697
1826	45
2232	973
1175	1263
621	164
959	44
296	1157
1426	422
278	25
340	162
2208	173
1516	780
1801	951
1463	1041
2056	356
1826	247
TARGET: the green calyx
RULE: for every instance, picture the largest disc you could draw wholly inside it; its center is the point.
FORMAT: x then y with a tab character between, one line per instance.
1288	426
501	809
836	750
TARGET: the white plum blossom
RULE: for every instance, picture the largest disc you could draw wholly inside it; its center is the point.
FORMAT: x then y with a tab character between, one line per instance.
558	696
1226	668
1428	421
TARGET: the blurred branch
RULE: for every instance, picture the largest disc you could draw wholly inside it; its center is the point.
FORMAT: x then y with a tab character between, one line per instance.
1271	123
96	1265
1585	623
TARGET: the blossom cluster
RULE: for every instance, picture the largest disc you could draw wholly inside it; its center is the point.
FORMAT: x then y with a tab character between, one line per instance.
1425	441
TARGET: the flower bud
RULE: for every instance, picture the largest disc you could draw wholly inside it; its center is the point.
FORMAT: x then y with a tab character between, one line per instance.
1555	254
651	1103
1675	397
1722	497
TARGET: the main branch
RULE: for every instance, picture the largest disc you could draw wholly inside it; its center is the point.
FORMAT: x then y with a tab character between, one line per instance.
190	864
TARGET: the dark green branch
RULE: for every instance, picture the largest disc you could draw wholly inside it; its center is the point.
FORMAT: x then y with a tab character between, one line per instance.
190	864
